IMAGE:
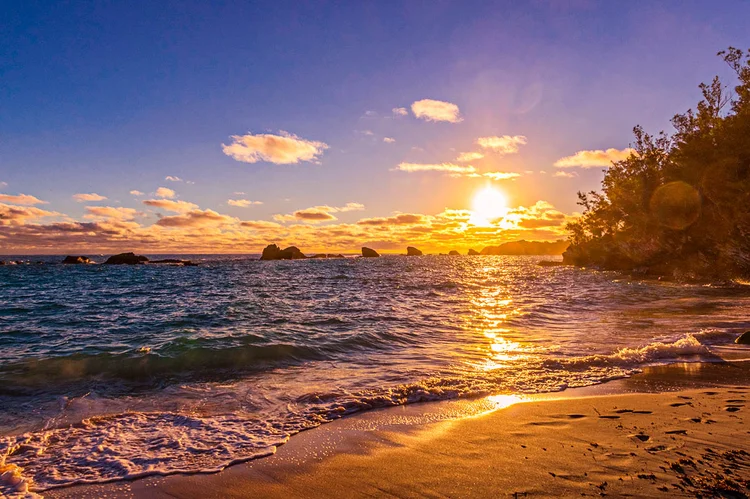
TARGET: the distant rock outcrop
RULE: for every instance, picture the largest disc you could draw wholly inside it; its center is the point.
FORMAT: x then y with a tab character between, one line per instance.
76	260
454	253
473	252
412	251
126	259
743	339
273	252
369	253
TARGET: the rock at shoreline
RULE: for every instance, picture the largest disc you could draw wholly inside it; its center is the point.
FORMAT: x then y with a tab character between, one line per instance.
454	253
473	252
743	339
273	252
412	251
126	259
369	253
76	260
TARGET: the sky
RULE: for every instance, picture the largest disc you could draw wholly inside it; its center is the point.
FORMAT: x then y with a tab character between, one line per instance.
221	127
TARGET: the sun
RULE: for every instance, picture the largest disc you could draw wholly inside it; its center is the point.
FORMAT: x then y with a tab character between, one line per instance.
489	205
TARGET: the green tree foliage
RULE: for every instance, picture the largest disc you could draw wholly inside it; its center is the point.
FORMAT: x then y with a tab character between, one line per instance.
680	204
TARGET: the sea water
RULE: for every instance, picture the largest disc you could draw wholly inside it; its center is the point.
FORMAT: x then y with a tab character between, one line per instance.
112	372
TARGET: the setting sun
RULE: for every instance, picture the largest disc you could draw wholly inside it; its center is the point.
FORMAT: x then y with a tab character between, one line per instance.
488	207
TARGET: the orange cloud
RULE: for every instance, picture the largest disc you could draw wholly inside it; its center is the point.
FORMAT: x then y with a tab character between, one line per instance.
318	214
441	167
196	218
165	192
466	157
436	110
243	203
171	205
501	175
565	174
12	215
82	198
502	145
400	219
594	158
136	193
22	199
399	111
282	149
117	213
389	140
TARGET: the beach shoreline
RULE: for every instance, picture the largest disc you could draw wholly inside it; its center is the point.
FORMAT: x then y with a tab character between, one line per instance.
646	435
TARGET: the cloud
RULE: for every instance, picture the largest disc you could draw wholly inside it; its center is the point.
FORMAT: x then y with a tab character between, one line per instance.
260	225
83	198
466	157
137	193
594	158
501	175
318	214
196	218
171	205
243	203
502	145
3	184
441	167
389	140
165	192
399	111
173	179
22	199
368	133
14	215
565	174
117	213
435	110
282	149
400	219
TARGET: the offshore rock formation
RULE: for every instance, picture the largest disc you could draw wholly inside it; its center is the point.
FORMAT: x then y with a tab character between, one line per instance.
76	260
369	253
126	259
473	252
454	253
273	252
412	251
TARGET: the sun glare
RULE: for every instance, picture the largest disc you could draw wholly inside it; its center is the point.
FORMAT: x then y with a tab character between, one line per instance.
489	206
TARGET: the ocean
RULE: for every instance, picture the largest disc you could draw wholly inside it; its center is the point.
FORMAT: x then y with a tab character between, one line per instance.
113	372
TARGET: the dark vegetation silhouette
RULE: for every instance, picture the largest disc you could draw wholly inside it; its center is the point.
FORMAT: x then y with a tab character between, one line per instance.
679	206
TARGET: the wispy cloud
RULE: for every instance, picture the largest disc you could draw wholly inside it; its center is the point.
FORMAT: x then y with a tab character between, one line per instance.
389	140
22	199
436	110
119	213
83	198
3	184
466	157
400	219
171	205
137	193
282	149
594	158
565	174
506	144
172	179
243	203
501	175
437	167
165	192
399	111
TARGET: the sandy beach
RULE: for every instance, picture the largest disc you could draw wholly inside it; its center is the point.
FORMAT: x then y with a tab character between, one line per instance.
676	431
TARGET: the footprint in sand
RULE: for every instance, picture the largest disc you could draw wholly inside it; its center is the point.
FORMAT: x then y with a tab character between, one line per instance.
732	408
657	448
623	411
710	393
735	401
642	437
642	412
676	432
607	416
679	404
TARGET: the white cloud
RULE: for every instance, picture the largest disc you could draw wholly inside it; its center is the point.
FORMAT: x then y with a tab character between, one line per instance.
594	158
171	205
243	203
565	174
502	145
400	111
282	149
389	140
165	192
435	110
465	157
23	199
82	198
368	133
441	167
173	179
501	175
137	193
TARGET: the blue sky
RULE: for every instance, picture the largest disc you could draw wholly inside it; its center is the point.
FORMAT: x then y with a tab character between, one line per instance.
112	97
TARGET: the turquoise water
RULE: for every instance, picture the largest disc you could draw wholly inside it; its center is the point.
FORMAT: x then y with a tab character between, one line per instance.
110	372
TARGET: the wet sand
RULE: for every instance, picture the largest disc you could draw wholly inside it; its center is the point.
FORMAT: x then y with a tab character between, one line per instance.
678	431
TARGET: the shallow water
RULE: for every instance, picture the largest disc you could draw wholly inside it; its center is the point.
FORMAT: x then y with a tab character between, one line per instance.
110	372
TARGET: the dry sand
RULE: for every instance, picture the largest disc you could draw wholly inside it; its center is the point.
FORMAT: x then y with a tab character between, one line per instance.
685	443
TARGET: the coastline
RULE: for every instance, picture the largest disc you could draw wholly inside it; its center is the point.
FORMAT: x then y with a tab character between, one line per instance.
672	430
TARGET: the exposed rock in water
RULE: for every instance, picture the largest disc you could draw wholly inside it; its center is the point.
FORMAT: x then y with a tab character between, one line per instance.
126	259
550	263
454	253
412	251
369	253
76	260
327	255
743	339
473	252
273	252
